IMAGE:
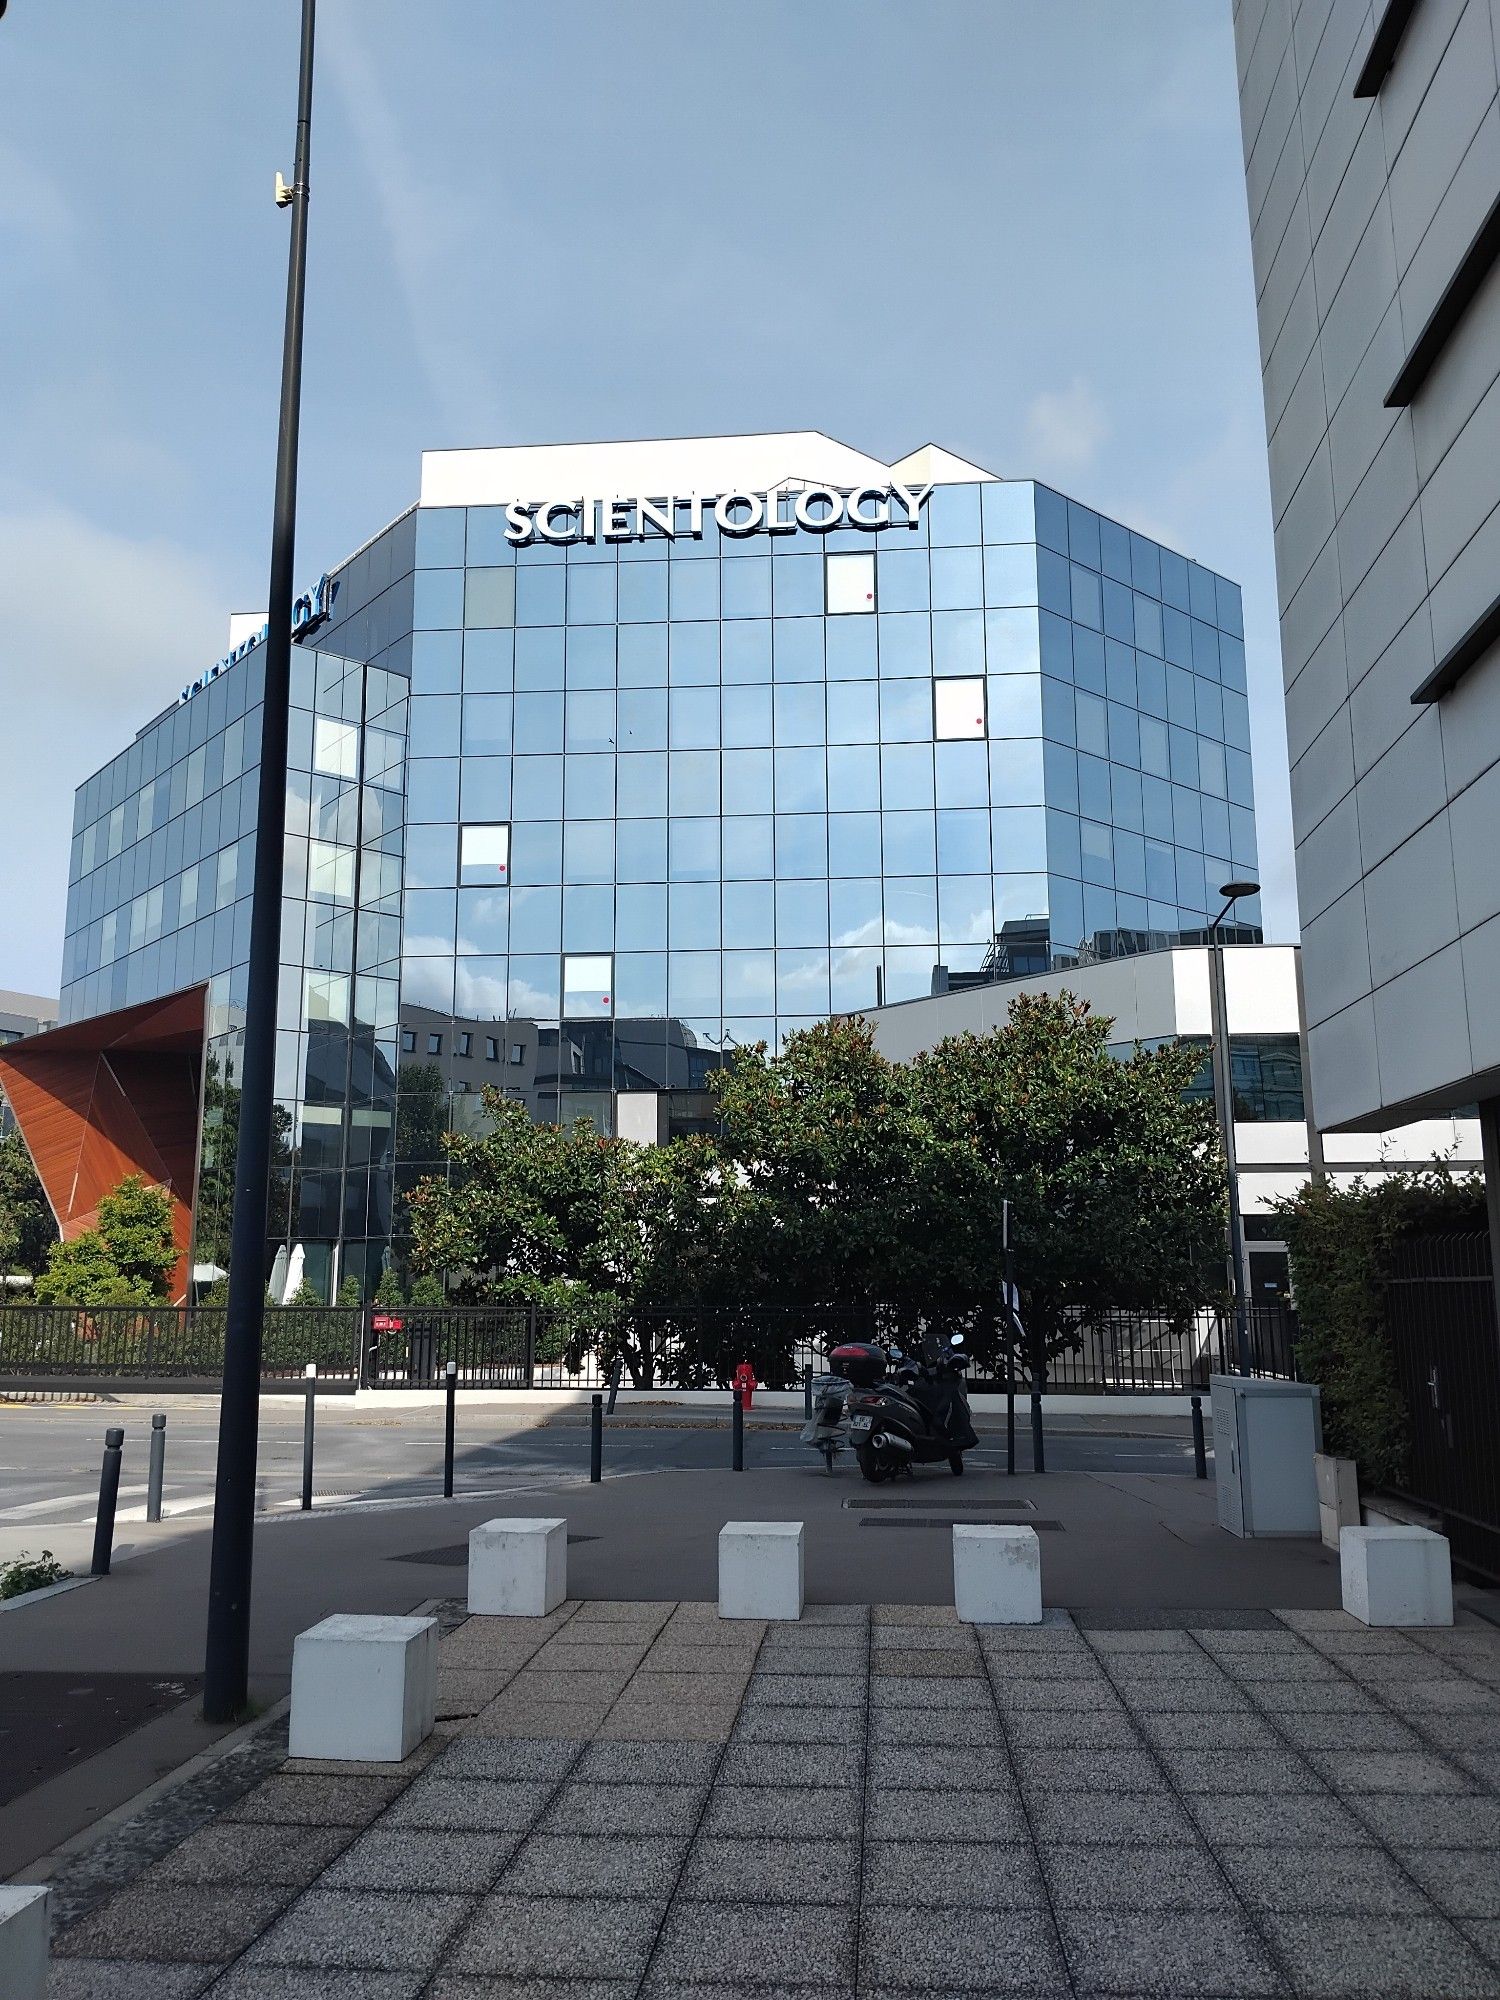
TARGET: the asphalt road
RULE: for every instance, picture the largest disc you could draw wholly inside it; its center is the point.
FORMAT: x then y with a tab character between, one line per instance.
50	1453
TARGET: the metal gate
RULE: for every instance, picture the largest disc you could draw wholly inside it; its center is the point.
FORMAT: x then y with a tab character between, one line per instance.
1444	1335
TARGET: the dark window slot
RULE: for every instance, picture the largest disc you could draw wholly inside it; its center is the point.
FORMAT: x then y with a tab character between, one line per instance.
1389	29
1473	269
1451	668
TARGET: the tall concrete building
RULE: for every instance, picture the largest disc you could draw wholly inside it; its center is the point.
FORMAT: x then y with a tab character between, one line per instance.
1372	151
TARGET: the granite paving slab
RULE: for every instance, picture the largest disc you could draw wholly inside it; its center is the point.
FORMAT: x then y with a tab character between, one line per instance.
1398	1958
558	1937
205	1923
363	1930
643	1802
126	1979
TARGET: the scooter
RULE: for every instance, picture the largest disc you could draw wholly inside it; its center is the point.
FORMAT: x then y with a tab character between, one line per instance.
855	1361
918	1416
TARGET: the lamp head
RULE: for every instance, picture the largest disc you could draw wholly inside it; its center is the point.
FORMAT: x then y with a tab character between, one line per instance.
1233	891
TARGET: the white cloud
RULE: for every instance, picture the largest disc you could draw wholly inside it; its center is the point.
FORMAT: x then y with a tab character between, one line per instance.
1065	428
98	631
432	234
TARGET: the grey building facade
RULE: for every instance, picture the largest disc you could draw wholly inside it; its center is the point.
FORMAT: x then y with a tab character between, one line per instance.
1372	147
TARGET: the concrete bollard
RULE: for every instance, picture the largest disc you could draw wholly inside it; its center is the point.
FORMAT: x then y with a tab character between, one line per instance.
517	1569
1338	1496
997	1576
23	1942
760	1569
363	1689
1396	1576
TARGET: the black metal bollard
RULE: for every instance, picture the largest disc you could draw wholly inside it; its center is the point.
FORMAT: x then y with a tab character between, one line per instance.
451	1383
109	1494
614	1383
1200	1453
307	1436
158	1466
1038	1443
596	1441
1010	1413
737	1426
807	1391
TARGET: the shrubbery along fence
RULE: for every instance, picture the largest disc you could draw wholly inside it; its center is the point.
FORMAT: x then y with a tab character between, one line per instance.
526	1347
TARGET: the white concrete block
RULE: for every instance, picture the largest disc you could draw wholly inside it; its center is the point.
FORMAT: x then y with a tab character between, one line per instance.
23	1943
997	1576
1338	1495
1396	1576
364	1689
760	1569
518	1569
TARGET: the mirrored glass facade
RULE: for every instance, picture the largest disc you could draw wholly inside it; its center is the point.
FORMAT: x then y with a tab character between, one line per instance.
656	797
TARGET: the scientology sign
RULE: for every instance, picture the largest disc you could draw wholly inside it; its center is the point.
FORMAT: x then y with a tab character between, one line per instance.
819	509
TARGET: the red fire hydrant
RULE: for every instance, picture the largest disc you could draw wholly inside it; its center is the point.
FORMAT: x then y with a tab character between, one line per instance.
744	1381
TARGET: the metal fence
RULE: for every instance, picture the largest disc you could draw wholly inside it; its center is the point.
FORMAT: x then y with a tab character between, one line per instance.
517	1347
1440	1308
45	1347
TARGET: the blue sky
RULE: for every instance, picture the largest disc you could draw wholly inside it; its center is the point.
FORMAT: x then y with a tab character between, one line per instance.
1016	229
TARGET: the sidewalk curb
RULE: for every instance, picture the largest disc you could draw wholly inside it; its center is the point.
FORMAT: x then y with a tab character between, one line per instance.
30	1597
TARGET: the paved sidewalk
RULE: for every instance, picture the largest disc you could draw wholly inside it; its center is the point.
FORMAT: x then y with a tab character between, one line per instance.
637	1799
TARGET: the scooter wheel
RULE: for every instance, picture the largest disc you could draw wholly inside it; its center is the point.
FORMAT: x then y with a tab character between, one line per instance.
956	1464
828	1458
872	1466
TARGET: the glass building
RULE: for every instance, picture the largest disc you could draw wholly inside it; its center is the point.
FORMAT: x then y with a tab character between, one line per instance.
587	793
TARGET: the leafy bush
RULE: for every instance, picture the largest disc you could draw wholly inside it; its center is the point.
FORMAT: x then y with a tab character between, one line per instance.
1342	1242
27	1572
126	1261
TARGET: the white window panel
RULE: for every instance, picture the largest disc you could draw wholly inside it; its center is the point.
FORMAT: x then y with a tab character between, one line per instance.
484	854
851	583
335	747
957	709
588	986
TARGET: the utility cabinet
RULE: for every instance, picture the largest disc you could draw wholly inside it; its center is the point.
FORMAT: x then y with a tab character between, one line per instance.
1265	1436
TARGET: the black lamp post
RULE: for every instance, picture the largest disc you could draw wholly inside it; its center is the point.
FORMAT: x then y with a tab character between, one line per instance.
227	1651
1224	1101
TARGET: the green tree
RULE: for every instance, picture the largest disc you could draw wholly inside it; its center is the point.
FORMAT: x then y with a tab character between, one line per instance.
27	1228
1342	1242
126	1260
1116	1183
389	1291
351	1292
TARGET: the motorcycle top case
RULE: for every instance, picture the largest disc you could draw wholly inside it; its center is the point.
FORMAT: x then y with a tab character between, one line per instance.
858	1361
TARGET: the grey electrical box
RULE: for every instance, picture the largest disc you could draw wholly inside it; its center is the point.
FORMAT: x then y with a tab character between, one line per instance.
1265	1435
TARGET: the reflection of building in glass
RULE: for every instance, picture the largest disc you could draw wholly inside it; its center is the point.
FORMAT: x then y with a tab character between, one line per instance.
783	731
21	1014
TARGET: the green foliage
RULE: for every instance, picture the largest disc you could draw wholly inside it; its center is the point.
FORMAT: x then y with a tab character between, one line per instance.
27	1228
351	1292
307	1294
125	1261
27	1572
428	1291
840	1182
389	1291
1341	1242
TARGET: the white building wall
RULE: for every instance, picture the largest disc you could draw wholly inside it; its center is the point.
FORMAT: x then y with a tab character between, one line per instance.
1387	525
1164	993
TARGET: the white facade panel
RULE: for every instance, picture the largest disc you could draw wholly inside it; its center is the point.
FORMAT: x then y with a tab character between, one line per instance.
488	478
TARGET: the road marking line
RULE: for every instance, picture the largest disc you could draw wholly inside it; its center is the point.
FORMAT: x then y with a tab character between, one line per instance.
32	1507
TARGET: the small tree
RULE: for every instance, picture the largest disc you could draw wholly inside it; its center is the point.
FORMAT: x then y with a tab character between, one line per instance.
1341	1242
389	1292
126	1260
27	1228
351	1292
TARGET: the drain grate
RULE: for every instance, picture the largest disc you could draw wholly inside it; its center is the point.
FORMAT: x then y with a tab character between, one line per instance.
926	1504
947	1521
458	1552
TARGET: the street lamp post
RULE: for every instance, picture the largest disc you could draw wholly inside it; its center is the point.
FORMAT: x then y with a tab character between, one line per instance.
227	1648
1224	1103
